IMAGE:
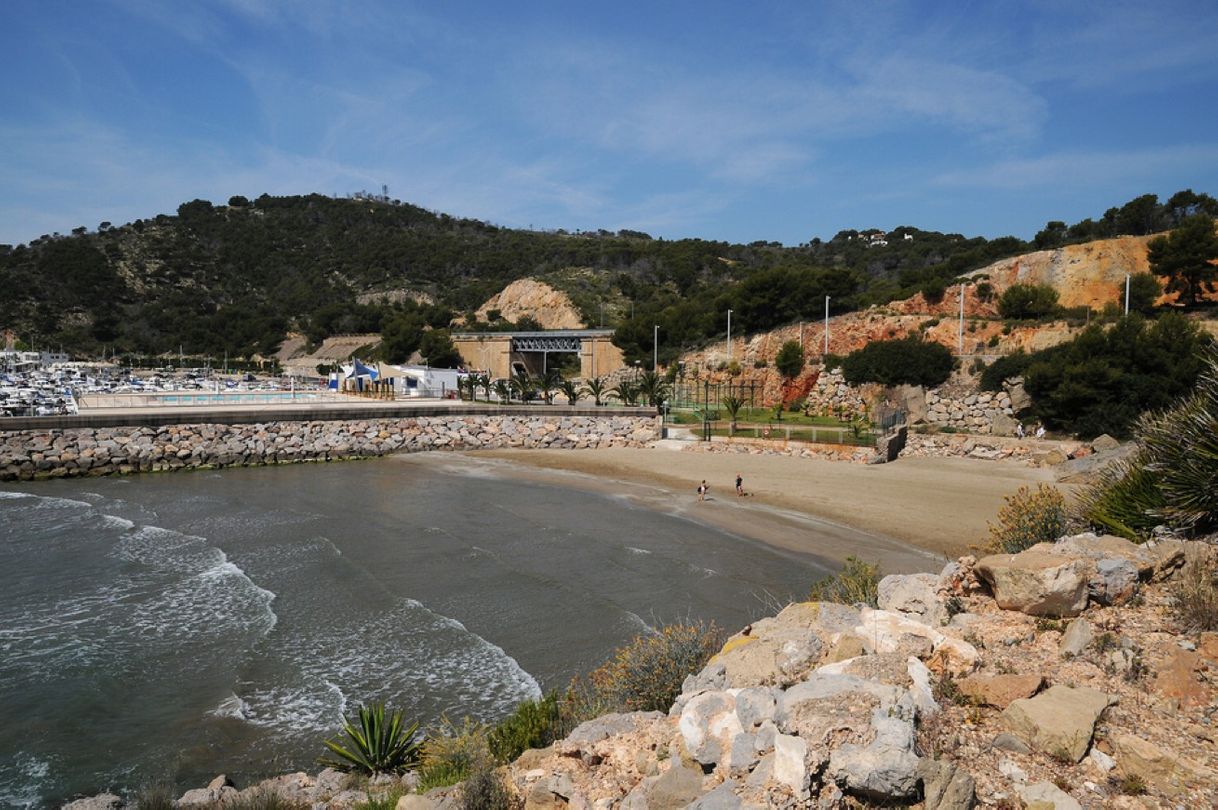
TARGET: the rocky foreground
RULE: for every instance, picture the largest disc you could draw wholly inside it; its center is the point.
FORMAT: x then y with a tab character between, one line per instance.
1055	678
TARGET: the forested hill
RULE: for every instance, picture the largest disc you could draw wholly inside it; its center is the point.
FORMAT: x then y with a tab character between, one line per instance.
236	278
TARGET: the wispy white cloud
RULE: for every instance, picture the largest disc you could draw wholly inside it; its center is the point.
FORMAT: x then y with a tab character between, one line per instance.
1077	169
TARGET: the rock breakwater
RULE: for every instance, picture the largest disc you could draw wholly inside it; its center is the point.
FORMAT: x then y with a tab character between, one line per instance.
71	452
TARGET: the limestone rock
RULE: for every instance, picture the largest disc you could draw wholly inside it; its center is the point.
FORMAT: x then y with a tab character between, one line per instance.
790	763
1047	796
708	724
413	801
675	788
721	798
915	594
1156	766
1077	637
1059	721
946	786
1037	581
1181	678
999	690
1104	443
885	769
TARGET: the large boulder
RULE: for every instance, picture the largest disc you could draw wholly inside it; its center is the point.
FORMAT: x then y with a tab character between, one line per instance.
1037	581
915	594
886	631
708	725
1059	721
1047	796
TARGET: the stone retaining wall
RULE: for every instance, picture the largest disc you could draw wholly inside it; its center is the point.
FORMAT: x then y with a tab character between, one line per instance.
70	452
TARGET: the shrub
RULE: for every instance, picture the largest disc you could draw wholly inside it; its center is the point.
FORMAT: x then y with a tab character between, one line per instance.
760	364
534	724
1028	518
1194	594
832	361
647	673
909	361
992	342
1004	368
790	359
450	752
984	291
486	789
376	745
857	583
155	797
1027	301
387	800
1103	379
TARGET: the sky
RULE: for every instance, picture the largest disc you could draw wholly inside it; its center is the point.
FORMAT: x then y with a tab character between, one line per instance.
719	120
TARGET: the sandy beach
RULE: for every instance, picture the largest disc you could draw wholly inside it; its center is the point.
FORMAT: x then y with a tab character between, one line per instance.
910	515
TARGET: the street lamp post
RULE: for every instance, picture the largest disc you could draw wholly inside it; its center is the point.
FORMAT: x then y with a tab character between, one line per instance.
729	336
826	324
1126	293
655	350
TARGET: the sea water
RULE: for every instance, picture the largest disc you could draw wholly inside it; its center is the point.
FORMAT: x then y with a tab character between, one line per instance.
162	629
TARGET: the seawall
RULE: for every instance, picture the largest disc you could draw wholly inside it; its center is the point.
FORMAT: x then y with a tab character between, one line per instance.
150	444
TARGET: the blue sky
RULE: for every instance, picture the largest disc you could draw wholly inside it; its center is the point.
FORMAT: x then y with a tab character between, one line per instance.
734	121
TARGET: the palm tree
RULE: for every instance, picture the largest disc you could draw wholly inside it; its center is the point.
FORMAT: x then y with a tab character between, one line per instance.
625	392
595	388
503	390
484	381
653	388
524	385
549	382
732	404
569	390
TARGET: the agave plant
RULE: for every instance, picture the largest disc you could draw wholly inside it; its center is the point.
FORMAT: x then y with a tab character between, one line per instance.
379	743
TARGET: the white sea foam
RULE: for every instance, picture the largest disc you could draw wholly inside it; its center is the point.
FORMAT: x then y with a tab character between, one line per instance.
232	706
634	550
43	501
116	522
9	495
21	780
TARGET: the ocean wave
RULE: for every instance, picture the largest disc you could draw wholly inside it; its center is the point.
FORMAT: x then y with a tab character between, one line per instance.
21	780
232	707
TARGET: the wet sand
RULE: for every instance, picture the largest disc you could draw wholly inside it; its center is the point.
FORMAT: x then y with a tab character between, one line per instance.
910	515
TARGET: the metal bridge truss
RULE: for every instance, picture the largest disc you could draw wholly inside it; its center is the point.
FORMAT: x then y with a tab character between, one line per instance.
546	343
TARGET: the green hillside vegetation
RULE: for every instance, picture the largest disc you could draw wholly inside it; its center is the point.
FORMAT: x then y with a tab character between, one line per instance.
236	278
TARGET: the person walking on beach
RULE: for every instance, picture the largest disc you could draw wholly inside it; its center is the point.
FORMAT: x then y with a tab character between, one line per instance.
702	488
739	485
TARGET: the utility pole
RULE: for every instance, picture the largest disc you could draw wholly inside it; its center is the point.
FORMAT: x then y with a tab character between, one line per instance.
655	351
729	336
1126	293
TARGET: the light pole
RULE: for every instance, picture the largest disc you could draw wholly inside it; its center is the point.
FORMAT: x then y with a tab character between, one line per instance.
1126	293
826	324
729	336
655	350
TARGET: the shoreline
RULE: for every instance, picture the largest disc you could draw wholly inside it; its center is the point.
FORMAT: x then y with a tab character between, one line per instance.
885	513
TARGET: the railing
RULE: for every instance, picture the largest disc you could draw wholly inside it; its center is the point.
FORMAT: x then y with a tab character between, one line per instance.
783	432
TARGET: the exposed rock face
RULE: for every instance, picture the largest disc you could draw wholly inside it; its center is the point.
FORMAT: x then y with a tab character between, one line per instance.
76	452
1156	766
549	307
999	690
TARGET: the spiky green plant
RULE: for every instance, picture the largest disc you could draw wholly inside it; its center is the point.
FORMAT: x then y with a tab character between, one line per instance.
732	404
570	390
1182	449
1124	499
379	743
